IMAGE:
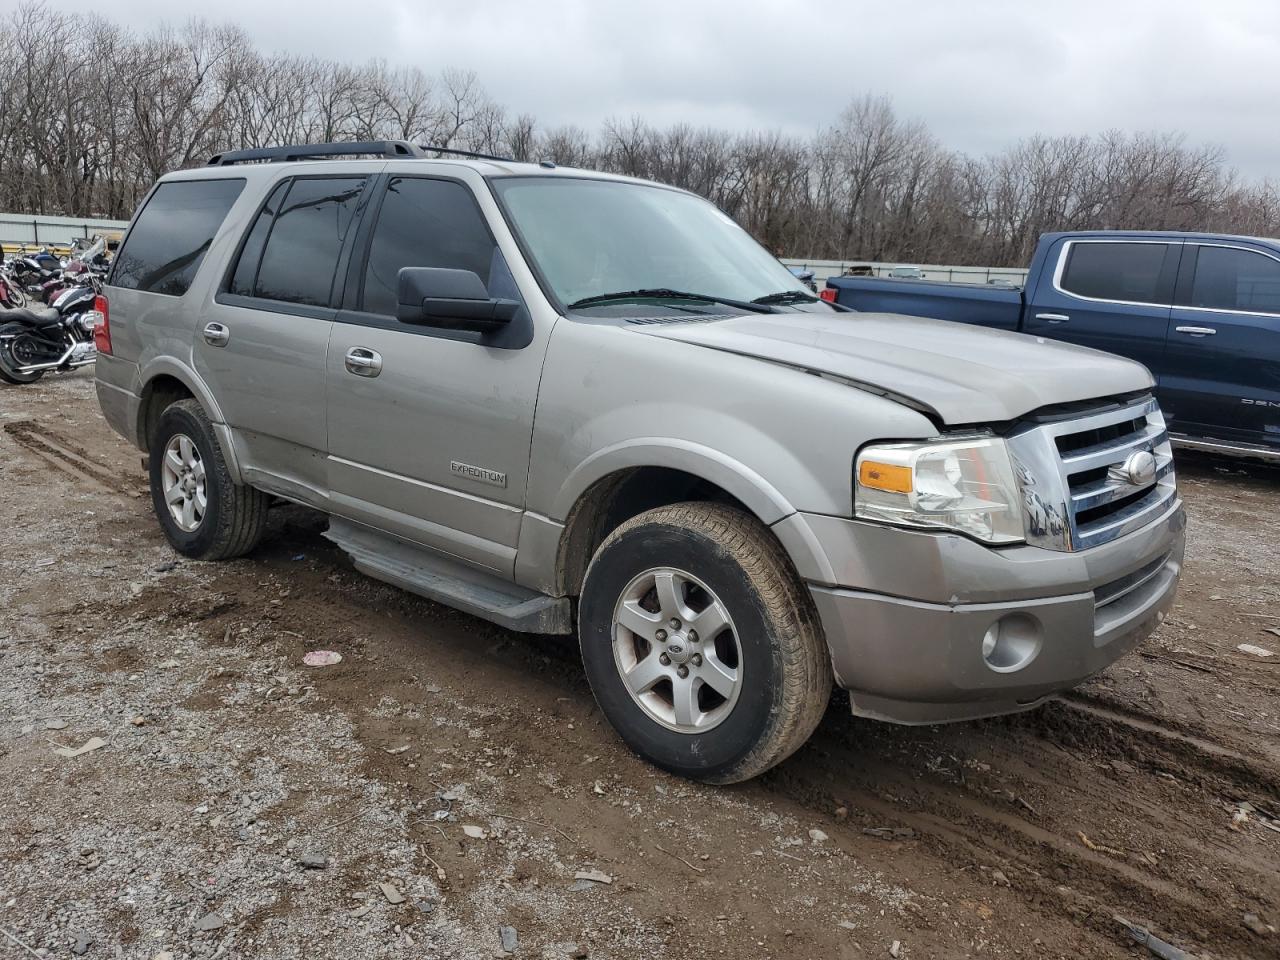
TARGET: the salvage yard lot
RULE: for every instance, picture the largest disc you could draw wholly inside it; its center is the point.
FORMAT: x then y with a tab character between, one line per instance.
246	805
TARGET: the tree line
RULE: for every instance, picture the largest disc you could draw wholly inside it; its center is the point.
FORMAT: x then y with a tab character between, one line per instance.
91	114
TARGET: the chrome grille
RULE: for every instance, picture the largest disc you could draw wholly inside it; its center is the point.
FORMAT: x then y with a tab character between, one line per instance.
1089	479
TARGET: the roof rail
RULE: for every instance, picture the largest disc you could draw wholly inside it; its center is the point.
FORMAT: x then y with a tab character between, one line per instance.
314	151
465	153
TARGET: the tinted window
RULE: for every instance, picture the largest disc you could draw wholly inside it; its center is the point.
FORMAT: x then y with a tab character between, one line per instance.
172	234
301	252
1115	271
251	252
424	223
1229	279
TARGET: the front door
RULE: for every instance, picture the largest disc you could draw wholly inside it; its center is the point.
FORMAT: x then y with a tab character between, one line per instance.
429	429
1222	377
1112	295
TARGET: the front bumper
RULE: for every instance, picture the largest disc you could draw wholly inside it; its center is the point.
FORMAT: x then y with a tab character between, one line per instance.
907	643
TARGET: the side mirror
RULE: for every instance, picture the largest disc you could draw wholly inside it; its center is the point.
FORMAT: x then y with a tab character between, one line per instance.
456	299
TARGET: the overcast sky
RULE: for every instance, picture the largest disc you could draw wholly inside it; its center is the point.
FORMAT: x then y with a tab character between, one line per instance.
981	73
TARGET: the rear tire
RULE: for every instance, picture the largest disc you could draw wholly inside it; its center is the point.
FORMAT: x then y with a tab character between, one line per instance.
204	514
8	362
726	704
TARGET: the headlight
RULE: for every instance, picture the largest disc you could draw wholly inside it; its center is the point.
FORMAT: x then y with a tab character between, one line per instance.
963	485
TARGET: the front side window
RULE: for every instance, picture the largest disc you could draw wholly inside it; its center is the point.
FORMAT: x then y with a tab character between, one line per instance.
590	238
300	254
173	232
1231	279
1115	271
424	223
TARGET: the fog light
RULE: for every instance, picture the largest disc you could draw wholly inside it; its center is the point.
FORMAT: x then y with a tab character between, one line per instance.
1011	643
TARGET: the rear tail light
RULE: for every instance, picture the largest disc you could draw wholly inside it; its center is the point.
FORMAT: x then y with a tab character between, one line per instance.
102	329
828	294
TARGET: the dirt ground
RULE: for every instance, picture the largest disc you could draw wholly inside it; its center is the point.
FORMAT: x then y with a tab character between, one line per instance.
1152	793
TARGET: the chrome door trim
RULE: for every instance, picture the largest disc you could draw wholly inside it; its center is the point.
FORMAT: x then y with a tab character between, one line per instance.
1238	313
1062	266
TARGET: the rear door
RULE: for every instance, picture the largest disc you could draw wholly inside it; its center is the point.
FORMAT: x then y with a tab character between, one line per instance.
262	343
1222	377
429	428
1112	295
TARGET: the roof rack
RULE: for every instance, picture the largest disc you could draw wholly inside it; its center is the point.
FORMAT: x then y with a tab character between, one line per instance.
315	151
464	153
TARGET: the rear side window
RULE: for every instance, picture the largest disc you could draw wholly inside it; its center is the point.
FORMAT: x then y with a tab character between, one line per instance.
424	223
1115	271
299	242
1230	279
172	234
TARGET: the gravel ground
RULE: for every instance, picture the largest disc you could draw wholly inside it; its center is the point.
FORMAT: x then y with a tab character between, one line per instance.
438	792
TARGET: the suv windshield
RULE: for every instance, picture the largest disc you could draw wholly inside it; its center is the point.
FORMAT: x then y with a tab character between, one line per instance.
592	238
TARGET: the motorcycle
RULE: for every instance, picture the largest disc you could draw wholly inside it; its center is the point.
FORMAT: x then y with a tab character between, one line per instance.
11	292
60	337
33	271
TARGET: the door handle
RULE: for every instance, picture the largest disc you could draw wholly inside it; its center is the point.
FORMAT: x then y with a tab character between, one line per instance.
1053	317
1197	331
216	335
363	362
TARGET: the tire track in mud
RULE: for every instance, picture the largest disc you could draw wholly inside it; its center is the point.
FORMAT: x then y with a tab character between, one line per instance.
66	455
1175	802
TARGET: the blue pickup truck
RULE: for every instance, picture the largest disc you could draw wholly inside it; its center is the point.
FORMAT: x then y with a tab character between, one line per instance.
1202	311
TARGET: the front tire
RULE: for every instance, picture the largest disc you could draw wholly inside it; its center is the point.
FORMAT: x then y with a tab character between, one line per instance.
204	514
701	644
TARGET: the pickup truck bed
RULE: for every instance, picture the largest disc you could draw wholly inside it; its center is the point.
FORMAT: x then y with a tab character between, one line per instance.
1201	311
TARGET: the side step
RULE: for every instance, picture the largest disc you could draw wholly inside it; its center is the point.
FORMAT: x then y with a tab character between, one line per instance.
450	582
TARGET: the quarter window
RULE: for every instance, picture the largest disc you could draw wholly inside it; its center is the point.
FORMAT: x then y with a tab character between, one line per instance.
303	242
424	223
167	243
1231	279
1115	271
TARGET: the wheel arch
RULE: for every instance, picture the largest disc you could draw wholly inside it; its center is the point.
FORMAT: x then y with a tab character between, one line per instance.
166	380
622	482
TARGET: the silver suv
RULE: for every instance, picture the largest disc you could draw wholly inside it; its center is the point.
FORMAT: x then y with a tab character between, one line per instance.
562	400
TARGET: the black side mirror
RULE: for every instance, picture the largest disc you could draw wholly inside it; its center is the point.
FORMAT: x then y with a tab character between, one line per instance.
457	299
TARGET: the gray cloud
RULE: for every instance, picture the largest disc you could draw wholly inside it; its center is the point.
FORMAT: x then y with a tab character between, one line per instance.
981	73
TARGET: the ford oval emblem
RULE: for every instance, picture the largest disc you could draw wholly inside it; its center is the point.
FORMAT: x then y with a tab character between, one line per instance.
1138	470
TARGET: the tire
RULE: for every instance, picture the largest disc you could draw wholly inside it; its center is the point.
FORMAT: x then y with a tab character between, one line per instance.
724	565
232	518
8	362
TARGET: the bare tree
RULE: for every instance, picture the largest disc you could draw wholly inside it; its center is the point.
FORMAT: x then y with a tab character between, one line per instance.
91	114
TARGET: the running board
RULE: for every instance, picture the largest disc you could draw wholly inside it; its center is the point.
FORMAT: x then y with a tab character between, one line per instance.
450	582
1225	447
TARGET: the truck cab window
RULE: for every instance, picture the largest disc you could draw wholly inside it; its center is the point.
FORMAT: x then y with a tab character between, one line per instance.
1227	278
1128	272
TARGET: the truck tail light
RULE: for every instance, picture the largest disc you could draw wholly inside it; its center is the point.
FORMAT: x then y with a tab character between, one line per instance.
828	294
102	330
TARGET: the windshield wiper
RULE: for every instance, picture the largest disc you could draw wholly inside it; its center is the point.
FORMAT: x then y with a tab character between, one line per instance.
662	293
787	296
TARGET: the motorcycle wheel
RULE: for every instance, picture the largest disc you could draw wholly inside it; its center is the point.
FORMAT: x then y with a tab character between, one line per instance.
10	354
15	300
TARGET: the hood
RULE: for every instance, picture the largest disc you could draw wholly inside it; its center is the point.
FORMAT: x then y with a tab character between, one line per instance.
963	374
